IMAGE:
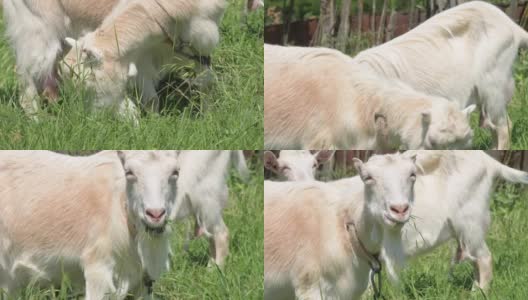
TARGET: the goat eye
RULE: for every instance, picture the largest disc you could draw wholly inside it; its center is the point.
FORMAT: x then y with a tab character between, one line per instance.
175	173
314	165
413	176
369	178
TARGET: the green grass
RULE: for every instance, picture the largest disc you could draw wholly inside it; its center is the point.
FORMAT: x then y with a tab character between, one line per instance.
190	278
233	119
427	277
243	275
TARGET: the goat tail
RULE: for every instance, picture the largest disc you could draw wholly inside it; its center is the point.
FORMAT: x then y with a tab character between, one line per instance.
523	40
239	162
521	35
509	174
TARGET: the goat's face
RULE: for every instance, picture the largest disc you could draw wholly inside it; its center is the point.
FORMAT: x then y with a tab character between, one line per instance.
151	181
103	74
447	127
296	165
389	187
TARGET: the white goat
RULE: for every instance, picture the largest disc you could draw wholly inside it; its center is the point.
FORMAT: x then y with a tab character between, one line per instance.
99	219
459	212
296	165
203	193
464	54
139	39
305	110
319	242
38	32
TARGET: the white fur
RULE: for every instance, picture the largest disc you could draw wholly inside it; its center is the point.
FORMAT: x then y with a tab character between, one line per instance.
459	212
464	54
203	193
305	110
116	43
38	31
79	216
308	251
453	202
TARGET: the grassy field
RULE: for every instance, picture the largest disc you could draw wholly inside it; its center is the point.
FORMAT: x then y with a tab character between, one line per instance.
427	277
233	119
244	271
190	278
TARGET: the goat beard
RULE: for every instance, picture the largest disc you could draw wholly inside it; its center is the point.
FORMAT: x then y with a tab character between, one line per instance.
393	254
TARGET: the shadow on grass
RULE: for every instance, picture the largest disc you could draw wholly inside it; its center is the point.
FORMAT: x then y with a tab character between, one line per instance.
421	284
198	258
177	94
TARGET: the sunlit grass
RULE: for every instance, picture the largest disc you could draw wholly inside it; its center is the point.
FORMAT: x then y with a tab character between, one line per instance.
233	118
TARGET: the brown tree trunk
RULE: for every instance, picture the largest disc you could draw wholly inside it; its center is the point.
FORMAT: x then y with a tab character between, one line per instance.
287	19
360	17
512	10
326	23
344	26
392	22
412	12
429	7
373	17
381	27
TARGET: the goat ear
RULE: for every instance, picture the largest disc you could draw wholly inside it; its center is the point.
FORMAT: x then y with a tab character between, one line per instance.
468	110
363	173
71	42
426	117
323	156
68	44
122	157
270	162
132	70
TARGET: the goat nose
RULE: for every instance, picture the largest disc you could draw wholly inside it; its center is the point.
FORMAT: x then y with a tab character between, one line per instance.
155	214
399	209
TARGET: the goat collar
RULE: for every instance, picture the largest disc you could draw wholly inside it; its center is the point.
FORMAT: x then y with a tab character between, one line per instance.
148	282
201	59
372	258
